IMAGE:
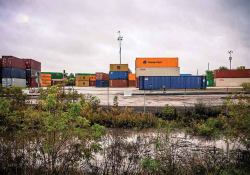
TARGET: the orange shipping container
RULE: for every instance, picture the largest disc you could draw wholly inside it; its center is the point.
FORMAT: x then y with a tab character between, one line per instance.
92	78
131	76
156	62
82	83
46	75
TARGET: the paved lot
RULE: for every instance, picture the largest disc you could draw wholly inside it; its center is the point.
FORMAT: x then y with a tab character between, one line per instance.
150	100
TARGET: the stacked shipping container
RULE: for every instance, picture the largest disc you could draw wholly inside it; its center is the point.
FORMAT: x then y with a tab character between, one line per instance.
231	78
82	80
13	71
33	69
56	77
45	80
156	67
131	80
118	75
102	79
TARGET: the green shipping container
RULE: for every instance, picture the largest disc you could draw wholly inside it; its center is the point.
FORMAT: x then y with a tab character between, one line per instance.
210	82
54	75
84	74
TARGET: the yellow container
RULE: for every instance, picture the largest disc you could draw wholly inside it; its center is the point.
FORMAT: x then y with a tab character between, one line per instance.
82	83
131	76
82	77
156	62
118	67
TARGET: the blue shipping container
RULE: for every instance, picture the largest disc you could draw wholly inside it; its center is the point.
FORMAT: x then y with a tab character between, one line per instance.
13	73
102	83
185	74
118	75
172	82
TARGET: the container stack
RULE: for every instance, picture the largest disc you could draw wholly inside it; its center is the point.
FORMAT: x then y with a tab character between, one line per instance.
56	77
92	80
33	68
131	80
156	67
82	80
45	80
102	79
1	66
231	78
118	75
13	72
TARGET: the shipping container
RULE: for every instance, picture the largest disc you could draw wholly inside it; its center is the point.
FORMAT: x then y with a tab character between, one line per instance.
172	82
10	82
1	63
13	73
161	71
118	75
82	77
131	77
82	83
119	67
156	62
102	76
118	83
185	74
32	73
92	83
137	82
32	64
11	61
102	83
84	74
210	82
46	75
46	81
92	78
131	83
54	75
32	82
241	73
230	82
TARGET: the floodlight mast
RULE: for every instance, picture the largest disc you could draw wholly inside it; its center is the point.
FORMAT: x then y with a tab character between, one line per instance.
230	58
120	41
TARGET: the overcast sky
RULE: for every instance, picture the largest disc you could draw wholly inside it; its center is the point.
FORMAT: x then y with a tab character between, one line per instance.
81	35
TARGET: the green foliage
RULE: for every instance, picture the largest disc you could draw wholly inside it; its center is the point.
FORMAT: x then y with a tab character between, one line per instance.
150	164
246	87
115	101
98	131
223	68
210	74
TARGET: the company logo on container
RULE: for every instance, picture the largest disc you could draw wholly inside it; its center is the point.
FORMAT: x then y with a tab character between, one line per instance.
144	62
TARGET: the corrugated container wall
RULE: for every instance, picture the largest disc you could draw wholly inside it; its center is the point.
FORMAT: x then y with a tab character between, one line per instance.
92	78
82	83
102	83
31	82
92	83
185	74
157	62
230	82
148	71
10	82
131	76
13	73
32	64
84	74
118	83
11	61
131	83
118	75
172	82
119	67
210	82
102	76
82	77
241	73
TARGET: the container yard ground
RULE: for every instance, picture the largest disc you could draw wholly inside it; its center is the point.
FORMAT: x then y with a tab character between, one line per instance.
157	100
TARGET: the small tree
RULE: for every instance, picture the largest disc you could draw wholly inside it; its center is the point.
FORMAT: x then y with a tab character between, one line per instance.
210	74
129	71
115	101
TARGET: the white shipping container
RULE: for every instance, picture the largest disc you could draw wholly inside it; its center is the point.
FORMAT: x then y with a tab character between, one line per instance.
9	82
157	71
230	82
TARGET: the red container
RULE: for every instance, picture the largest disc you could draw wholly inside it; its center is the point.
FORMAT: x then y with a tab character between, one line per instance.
32	64
131	83
241	73
11	61
102	76
31	82
137	82
118	83
92	83
1	63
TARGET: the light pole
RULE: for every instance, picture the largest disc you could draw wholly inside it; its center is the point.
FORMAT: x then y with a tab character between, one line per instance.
120	41
230	58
